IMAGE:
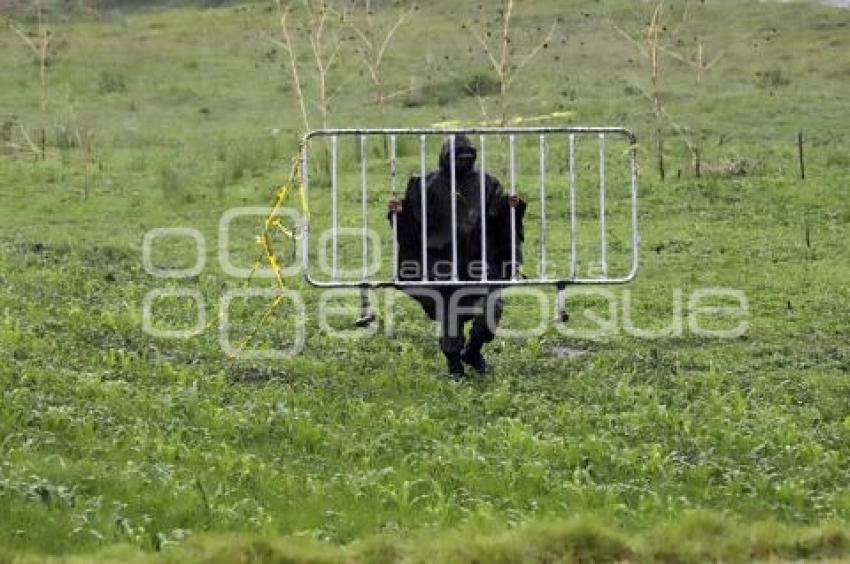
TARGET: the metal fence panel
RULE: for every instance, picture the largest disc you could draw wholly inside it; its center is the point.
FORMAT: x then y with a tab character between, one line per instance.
543	135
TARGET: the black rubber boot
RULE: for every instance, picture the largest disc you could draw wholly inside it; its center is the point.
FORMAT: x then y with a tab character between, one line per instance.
455	365
474	358
471	352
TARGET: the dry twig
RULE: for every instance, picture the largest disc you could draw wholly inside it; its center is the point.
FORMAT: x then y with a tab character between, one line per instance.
504	66
375	42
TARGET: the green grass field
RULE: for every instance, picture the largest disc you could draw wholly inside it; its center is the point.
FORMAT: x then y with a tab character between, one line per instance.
117	445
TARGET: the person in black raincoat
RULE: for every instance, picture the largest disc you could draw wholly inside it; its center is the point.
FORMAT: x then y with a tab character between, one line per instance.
454	306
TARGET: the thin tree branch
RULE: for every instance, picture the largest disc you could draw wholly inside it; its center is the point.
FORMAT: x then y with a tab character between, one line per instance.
391	32
493	61
532	54
293	64
632	40
27	41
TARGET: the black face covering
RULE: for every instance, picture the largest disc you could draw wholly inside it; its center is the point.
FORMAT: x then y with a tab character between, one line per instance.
464	164
465	154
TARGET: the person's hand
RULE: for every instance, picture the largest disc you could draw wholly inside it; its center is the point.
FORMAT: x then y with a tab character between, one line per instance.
395	205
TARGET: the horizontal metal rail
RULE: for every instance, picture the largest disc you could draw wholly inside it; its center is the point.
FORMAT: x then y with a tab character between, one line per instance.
469	131
392	134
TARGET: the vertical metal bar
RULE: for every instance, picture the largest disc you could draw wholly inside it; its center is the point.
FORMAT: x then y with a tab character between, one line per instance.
561	304
512	159
366	316
483	201
635	233
542	277
573	226
393	172
602	229
305	224
542	150
364	208
454	204
423	198
334	223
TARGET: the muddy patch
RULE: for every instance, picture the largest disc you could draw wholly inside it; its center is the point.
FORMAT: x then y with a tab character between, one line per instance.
565	352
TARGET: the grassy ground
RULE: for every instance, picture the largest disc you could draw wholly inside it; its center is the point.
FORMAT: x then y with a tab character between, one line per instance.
673	448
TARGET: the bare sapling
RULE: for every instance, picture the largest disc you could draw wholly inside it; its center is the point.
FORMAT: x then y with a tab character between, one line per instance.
649	42
695	136
322	23
503	59
40	47
375	39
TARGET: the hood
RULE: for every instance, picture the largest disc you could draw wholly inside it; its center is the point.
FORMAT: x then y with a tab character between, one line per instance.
462	145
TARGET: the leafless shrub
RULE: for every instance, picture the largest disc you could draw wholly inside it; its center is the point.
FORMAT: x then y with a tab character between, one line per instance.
39	44
650	40
322	25
694	136
375	37
503	59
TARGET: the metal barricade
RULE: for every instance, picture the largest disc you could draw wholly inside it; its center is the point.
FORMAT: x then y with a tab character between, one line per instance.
567	189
